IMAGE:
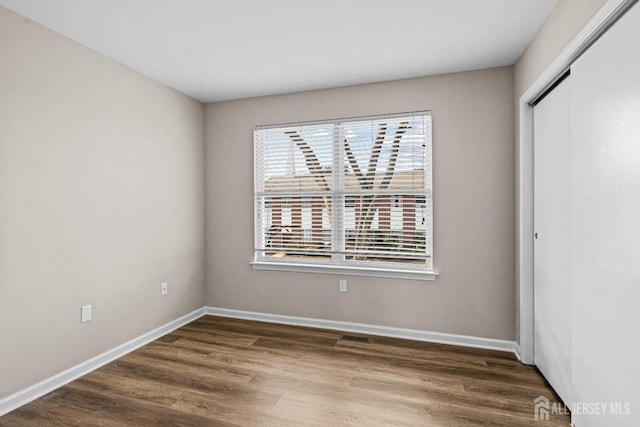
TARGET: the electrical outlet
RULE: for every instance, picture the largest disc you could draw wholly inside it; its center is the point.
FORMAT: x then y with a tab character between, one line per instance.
343	285
85	313
164	288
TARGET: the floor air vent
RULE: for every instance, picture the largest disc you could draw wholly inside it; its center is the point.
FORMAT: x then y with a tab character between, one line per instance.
355	338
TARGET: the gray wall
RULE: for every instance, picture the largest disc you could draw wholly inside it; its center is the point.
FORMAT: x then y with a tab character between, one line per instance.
101	199
561	26
473	208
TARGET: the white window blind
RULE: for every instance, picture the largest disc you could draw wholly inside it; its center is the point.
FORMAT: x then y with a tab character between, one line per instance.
345	192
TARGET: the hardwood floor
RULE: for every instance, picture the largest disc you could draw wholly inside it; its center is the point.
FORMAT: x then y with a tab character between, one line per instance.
225	372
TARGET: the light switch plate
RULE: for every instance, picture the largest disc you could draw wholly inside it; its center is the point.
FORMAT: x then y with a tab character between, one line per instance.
85	313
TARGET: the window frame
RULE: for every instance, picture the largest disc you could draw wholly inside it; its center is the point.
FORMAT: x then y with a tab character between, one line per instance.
335	264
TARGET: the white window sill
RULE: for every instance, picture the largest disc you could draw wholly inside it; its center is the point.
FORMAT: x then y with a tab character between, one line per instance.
346	270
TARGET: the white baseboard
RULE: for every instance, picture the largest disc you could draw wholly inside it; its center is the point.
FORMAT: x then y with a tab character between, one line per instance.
516	350
385	331
35	391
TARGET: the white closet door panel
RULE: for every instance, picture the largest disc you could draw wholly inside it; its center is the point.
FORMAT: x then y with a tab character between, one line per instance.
552	250
606	223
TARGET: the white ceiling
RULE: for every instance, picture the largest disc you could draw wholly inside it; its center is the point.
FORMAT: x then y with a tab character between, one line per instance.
217	50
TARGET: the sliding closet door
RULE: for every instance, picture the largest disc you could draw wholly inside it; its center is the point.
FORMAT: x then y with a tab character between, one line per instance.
606	224
552	238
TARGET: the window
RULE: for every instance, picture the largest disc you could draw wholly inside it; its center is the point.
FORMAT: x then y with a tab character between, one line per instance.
350	195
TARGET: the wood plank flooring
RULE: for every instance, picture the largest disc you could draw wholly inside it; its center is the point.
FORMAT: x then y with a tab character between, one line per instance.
225	372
